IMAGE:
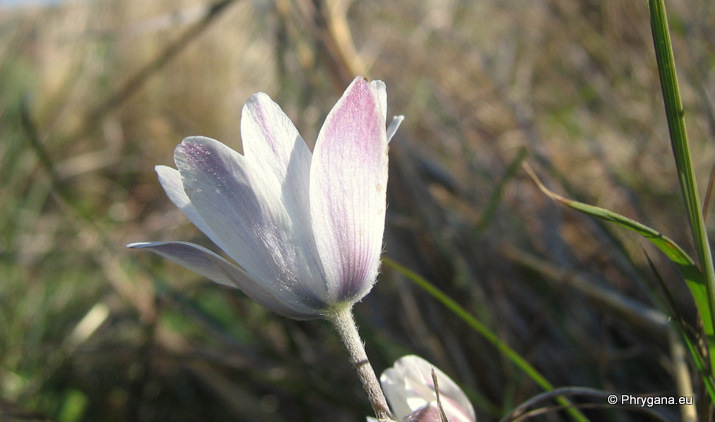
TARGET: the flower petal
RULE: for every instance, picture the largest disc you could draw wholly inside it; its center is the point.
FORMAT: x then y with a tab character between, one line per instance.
170	180
273	144
394	125
427	413
248	216
408	386
348	182
380	91
197	259
394	385
280	156
207	264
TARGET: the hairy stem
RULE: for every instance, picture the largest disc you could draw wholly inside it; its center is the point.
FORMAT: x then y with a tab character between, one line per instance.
342	319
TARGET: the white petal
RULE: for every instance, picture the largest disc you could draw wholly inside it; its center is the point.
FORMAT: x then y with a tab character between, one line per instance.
273	144
380	91
248	216
170	180
197	259
278	154
206	263
409	385
393	385
394	125
348	182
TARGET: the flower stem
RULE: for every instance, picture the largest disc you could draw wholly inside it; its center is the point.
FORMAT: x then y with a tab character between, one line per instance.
342	318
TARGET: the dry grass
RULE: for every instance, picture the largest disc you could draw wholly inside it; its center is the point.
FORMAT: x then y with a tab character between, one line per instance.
94	94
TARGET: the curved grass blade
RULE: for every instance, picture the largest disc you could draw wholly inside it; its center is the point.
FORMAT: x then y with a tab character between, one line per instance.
686	266
662	242
485	332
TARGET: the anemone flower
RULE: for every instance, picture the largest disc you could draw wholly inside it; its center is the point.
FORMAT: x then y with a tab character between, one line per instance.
304	228
410	389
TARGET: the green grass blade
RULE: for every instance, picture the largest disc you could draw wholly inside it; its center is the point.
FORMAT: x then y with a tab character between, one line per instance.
662	242
702	367
686	332
485	332
681	151
691	273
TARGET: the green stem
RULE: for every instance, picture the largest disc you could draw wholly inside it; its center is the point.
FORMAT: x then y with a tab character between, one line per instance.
342	319
681	149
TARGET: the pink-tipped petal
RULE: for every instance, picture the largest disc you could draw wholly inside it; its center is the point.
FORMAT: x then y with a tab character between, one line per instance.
348	182
207	264
248	216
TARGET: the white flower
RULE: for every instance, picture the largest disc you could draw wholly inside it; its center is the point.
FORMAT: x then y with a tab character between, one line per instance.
304	228
410	391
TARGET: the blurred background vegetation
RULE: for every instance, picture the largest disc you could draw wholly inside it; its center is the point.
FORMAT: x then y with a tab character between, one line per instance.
93	94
